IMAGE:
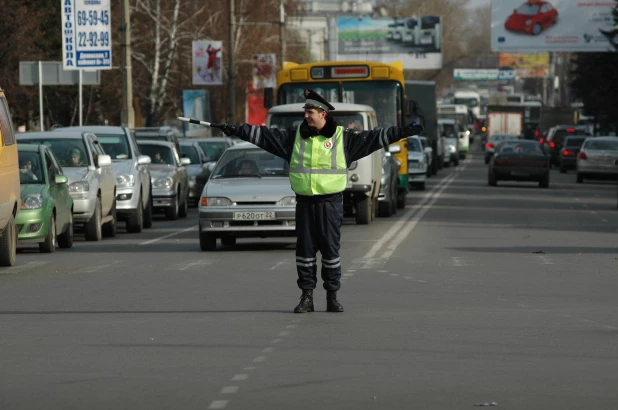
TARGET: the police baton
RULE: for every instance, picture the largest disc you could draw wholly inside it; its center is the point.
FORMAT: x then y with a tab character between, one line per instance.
198	122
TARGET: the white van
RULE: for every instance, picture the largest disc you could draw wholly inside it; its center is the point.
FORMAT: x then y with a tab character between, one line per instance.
364	175
460	114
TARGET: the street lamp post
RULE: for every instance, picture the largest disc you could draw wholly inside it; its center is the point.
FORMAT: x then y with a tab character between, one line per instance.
230	76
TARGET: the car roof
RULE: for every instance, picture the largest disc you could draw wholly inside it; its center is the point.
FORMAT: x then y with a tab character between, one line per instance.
51	135
29	147
94	128
339	107
186	142
603	138
154	142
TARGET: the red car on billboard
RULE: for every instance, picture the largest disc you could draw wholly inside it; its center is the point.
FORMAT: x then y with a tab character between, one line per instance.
532	17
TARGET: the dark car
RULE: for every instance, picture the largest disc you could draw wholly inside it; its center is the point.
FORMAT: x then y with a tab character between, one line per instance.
197	170
520	160
554	141
493	141
568	153
532	17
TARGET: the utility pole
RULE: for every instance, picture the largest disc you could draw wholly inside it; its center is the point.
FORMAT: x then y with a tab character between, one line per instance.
281	33
230	70
128	116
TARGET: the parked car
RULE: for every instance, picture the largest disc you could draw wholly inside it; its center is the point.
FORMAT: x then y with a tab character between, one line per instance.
247	195
532	17
387	198
554	141
133	187
570	151
428	155
417	163
520	160
10	199
197	170
46	215
91	178
495	139
164	133
598	158
170	181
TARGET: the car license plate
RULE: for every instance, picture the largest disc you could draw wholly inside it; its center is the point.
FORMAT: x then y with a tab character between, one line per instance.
254	216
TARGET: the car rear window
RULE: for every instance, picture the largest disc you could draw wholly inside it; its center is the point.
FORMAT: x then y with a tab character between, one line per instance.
606	145
574	142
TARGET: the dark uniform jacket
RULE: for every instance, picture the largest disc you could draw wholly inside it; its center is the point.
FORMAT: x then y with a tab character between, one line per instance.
356	144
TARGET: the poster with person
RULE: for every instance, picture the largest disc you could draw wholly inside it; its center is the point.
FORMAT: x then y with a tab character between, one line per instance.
206	63
264	75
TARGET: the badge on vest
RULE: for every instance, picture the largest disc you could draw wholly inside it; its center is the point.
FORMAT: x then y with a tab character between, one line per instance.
328	145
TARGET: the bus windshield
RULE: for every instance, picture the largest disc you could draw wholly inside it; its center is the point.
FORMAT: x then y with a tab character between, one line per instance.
383	96
470	102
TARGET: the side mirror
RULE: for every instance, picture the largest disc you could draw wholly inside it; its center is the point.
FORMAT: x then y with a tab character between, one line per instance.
394	149
185	161
61	179
104	161
143	160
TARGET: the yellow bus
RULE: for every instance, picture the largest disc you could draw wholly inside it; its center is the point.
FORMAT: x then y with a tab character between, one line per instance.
379	85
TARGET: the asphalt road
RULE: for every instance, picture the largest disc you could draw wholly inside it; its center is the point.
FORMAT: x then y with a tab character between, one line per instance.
472	296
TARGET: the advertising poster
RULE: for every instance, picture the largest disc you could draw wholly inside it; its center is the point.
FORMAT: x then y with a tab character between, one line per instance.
255	112
86	35
206	64
264	73
526	65
414	41
196	104
483	74
554	25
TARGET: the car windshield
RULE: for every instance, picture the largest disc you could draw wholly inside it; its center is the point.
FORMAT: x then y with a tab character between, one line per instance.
250	163
528	9
115	145
574	142
190	152
520	147
158	153
30	168
213	148
470	102
287	120
71	152
602	145
414	144
449	130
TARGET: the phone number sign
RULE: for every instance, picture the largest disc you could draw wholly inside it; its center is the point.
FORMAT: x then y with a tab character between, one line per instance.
86	39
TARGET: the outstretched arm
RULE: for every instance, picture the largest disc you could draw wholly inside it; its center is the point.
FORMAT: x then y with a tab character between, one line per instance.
360	144
277	142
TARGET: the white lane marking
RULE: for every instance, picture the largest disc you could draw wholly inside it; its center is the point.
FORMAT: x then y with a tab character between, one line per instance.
240	377
348	274
168	235
276	341
394	274
458	261
545	260
229	390
268	350
291	326
24	267
259	359
279	264
195	265
284	333
249	368
218	404
95	268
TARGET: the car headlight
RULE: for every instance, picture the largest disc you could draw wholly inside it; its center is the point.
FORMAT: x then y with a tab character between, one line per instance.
124	181
33	201
288	201
353	165
215	201
452	148
528	22
79	187
383	181
163	182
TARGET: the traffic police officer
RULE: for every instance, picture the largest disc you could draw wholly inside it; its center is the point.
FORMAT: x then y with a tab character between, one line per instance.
319	153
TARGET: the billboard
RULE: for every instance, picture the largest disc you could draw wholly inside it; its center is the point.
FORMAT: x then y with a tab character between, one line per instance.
196	104
526	65
86	35
483	74
206	62
414	41
263	71
555	25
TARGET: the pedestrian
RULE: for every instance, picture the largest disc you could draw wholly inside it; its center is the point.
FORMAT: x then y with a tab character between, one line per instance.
319	153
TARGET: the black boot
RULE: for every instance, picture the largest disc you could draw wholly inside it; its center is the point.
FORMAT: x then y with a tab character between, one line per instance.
332	304
306	302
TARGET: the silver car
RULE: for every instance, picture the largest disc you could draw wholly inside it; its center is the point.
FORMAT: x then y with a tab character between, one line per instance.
214	147
387	198
91	178
248	194
170	181
417	163
198	170
133	187
598	158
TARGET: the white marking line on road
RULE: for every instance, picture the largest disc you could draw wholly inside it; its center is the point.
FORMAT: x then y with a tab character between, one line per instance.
394	274
545	260
593	212
24	267
239	377
609	327
279	264
291	326
218	404
95	268
268	350
275	341
348	274
458	261
229	390
168	235
351	270
259	359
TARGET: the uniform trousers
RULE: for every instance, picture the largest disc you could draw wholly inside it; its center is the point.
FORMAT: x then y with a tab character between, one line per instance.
318	228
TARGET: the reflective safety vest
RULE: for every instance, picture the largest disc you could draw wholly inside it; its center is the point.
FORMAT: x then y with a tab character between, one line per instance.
318	164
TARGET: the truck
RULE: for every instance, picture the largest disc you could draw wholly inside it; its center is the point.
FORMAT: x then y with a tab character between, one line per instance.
422	95
505	119
552	116
360	197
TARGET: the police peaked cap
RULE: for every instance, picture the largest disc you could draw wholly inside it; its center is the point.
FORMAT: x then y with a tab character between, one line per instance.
315	100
